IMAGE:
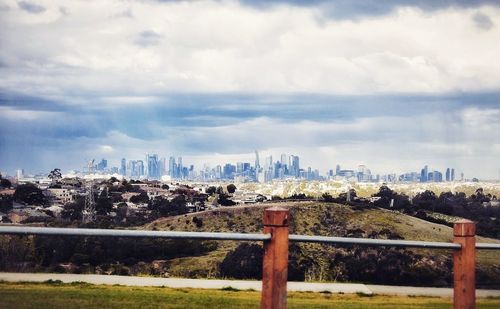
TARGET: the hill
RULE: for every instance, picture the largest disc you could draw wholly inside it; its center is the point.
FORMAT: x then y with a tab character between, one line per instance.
326	219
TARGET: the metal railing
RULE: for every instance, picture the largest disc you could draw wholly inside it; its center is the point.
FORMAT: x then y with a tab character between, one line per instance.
276	239
25	230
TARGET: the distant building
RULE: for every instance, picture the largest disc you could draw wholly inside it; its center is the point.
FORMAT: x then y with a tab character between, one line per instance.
60	195
20	174
257	162
123	167
424	174
294	166
102	165
435	176
153	166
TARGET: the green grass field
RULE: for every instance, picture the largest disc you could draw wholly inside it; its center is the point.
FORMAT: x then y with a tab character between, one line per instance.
81	295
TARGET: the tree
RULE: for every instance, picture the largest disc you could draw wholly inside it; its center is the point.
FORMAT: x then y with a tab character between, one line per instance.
425	200
29	194
245	262
55	174
231	188
224	201
178	205
141	198
103	204
165	187
5	203
211	190
385	191
113	180
161	207
5	183
73	211
327	197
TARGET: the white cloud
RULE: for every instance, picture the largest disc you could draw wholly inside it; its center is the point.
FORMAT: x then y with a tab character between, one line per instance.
214	46
25	115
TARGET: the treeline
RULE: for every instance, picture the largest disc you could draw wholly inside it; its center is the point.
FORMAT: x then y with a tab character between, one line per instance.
476	207
85	254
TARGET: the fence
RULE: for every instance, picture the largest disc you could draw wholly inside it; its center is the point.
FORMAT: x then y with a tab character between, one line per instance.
276	238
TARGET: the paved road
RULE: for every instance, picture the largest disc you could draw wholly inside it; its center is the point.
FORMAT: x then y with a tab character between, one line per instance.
347	288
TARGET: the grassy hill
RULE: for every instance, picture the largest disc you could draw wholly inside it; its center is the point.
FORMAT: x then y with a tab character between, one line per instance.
314	218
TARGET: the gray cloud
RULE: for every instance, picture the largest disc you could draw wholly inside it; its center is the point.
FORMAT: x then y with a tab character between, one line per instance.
31	7
147	38
354	9
483	21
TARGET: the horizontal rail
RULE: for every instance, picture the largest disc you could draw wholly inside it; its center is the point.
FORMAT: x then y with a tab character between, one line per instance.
25	230
28	230
487	246
373	242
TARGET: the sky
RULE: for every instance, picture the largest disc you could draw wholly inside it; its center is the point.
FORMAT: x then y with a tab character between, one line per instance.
394	84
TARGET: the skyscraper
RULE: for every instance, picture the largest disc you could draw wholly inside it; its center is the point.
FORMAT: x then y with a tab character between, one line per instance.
448	174
180	168
20	174
101	166
294	166
139	168
172	167
284	160
153	166
424	174
123	167
257	163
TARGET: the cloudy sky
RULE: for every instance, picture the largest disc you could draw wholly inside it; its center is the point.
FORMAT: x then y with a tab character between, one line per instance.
391	84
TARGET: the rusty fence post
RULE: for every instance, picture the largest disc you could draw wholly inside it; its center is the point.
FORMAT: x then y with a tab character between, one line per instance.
275	262
464	265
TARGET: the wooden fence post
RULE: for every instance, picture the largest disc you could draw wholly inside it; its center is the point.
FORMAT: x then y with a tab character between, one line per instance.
464	265
275	262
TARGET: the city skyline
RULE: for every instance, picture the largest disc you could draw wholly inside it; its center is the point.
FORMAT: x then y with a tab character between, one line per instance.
282	167
214	80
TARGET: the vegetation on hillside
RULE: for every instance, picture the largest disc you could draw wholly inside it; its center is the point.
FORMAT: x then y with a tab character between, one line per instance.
214	259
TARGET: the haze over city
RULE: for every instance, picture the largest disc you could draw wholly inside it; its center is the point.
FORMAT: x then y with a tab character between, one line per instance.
394	85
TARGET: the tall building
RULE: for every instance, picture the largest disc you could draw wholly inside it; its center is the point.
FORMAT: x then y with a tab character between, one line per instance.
239	167
424	174
102	165
218	172
364	174
437	176
294	166
123	167
172	167
131	169
337	169
284	161
229	171
163	166
153	166
20	174
448	174
452	177
139	168
257	162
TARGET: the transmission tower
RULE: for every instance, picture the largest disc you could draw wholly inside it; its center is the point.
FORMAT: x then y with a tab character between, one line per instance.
88	214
